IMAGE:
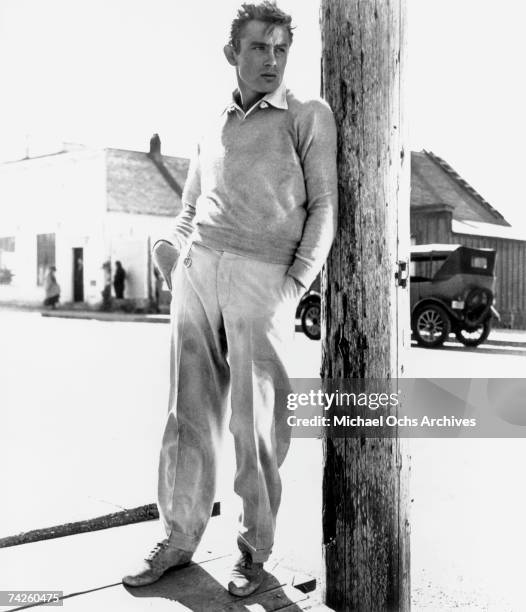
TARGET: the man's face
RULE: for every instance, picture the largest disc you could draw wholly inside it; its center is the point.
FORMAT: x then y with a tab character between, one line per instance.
262	58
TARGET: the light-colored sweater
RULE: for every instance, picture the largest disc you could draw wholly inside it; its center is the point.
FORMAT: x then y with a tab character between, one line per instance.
263	184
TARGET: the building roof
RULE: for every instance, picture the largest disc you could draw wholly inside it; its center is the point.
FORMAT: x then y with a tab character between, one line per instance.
434	182
476	228
434	247
140	183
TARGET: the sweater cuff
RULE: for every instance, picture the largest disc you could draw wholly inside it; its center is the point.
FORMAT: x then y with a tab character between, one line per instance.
303	273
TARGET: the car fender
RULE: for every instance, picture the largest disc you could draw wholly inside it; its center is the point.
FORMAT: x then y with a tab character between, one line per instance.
309	298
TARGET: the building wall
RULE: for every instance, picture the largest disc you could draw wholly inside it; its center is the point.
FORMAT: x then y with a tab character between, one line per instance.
510	271
510	268
63	194
129	240
66	195
431	227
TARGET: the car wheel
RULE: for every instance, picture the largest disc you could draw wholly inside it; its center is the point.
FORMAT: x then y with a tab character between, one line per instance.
475	336
431	325
310	321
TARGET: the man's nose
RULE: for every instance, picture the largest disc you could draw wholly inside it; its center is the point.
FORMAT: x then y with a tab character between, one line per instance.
270	60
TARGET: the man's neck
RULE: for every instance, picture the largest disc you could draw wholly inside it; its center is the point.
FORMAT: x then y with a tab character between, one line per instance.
247	99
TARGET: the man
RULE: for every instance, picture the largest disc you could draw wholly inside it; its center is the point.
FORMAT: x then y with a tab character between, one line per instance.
257	224
119	280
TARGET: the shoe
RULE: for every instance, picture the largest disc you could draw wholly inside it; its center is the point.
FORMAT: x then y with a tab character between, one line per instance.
162	558
246	576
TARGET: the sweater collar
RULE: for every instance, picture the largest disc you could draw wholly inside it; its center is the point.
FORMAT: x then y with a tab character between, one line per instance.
276	98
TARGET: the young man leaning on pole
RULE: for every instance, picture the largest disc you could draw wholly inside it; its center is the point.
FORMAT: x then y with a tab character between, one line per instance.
258	219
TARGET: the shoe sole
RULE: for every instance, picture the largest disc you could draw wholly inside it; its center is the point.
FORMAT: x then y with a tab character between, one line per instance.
175	567
246	593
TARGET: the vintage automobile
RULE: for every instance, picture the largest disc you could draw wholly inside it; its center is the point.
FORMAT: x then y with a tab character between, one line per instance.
309	311
452	290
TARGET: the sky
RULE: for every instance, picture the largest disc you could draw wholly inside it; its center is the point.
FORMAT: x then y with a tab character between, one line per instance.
113	72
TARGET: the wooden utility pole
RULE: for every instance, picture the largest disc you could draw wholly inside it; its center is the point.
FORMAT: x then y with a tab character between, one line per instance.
365	312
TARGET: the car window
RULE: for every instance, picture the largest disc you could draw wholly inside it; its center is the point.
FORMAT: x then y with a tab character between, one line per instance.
427	268
479	262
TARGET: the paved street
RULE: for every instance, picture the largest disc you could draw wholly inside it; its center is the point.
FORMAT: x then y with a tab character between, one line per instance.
83	404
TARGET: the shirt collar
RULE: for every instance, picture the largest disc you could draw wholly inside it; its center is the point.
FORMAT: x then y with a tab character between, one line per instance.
276	98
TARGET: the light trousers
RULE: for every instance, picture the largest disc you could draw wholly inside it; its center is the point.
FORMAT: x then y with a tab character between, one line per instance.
232	321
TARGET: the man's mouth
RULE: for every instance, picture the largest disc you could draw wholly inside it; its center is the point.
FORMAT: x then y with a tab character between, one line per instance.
268	75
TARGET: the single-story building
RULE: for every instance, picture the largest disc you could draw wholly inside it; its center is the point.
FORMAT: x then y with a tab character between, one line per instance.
80	208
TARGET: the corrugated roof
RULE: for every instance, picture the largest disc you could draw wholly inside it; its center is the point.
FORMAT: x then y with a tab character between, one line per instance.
433	181
136	183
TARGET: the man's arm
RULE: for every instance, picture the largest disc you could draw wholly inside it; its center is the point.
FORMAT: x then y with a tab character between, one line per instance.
165	253
184	225
317	151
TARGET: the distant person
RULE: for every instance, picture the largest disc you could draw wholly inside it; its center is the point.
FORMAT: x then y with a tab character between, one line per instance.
119	280
106	291
158	284
51	288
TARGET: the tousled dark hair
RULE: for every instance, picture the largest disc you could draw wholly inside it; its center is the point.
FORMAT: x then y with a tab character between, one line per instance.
266	11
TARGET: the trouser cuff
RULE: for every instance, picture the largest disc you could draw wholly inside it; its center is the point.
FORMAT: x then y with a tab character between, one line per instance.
259	555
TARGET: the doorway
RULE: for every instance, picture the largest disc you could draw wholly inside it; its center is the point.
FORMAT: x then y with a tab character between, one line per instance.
78	274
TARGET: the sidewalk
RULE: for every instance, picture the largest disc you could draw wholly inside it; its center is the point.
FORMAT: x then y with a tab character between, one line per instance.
507	337
88	569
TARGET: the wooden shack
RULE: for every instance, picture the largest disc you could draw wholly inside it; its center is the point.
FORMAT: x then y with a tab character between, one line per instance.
446	209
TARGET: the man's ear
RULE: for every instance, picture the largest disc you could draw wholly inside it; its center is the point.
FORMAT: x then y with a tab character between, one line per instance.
230	55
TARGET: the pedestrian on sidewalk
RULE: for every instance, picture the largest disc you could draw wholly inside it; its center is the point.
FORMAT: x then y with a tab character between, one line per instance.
258	219
119	280
51	288
106	286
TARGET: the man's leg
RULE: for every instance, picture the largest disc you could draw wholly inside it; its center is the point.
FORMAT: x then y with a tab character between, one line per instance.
199	378
259	321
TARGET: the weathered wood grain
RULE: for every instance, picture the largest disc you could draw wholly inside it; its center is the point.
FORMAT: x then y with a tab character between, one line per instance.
364	321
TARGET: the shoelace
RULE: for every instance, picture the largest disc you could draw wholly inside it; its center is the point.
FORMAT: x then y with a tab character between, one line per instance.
159	547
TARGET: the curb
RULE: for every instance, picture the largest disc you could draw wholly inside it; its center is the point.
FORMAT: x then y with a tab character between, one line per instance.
140	514
106	316
514	343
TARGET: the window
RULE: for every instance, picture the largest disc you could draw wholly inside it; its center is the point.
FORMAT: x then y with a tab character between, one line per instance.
45	255
479	262
7	251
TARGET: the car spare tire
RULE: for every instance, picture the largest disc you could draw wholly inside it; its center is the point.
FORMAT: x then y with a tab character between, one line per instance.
431	325
474	337
477	306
